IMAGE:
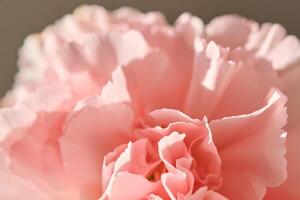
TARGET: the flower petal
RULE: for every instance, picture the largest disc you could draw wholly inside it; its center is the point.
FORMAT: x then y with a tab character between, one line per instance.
127	186
230	30
14	187
271	42
90	134
251	145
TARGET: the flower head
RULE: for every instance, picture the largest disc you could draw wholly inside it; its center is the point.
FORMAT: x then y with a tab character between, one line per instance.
123	106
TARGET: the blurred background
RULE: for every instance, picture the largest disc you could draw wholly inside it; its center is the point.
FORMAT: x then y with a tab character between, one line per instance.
18	18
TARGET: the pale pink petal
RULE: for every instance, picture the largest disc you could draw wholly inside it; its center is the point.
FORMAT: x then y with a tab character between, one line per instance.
199	194
97	53
138	158
129	46
230	30
211	76
218	82
190	26
144	76
251	145
91	13
165	121
33	148
127	186
88	133
14	187
291	89
205	153
31	61
136	19
254	74
171	148
290	188
35	154
48	99
166	116
101	54
116	90
178	184
108	164
12	120
271	42
52	95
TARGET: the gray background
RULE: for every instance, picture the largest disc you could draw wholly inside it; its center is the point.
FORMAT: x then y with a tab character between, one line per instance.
19	18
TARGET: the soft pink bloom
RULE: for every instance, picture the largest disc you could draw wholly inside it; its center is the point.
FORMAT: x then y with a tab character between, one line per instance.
123	106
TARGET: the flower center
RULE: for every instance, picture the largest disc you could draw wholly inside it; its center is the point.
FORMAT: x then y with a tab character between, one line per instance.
156	173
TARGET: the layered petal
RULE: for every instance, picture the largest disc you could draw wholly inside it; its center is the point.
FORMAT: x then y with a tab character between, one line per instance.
228	83
125	187
14	187
89	133
251	145
230	30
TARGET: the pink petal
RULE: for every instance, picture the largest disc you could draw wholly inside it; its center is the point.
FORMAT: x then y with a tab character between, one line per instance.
199	194
290	188
14	187
116	90
254	74
129	46
230	30
177	184
220	78
95	118
164	121
171	148
137	19
211	76
167	116
91	13
205	153
190	26
39	140
127	186
12	121
251	145
270	42
143	88
109	164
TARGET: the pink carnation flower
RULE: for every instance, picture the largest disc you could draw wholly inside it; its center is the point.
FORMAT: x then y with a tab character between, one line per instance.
123	106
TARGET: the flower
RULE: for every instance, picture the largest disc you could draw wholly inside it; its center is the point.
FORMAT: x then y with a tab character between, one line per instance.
121	106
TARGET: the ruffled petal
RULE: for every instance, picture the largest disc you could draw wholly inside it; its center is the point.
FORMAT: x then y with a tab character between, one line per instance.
14	187
271	42
290	188
230	30
219	79
90	134
251	145
129	186
145	76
